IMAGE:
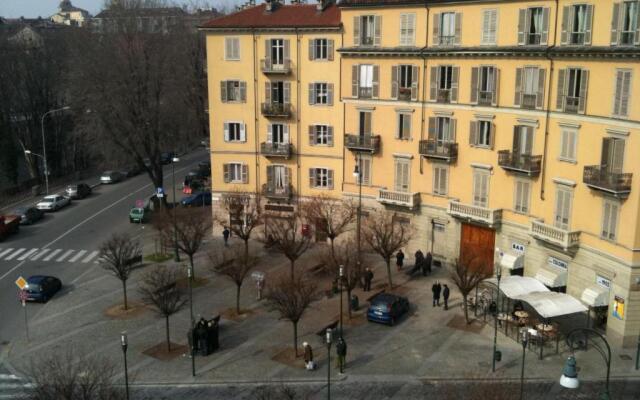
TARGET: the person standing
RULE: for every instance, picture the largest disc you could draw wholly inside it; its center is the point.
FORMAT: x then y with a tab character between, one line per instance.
225	235
426	267
445	296
434	288
341	350
399	259
260	287
368	277
438	291
308	357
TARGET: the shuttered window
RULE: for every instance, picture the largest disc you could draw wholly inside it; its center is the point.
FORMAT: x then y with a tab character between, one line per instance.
321	49
530	87
404	126
625	23
234	132
401	176
521	196
481	133
481	188
367	30
484	84
623	91
610	211
321	93
364	168
489	26
562	214
236	173
232	48
321	135
568	142
447	28
533	26
440	179
576	24
321	178
572	90
408	29
233	91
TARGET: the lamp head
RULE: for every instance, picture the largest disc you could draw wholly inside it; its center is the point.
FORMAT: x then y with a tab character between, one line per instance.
569	378
329	335
341	271
356	171
27	152
175	159
123	339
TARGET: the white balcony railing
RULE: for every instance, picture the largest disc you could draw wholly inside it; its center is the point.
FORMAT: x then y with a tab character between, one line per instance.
487	216
553	235
405	199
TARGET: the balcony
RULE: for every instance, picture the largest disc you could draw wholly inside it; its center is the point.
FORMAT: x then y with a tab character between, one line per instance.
571	104
431	148
483	215
365	92
404	94
367	142
276	110
485	98
444	96
269	67
616	184
533	39
276	149
520	163
555	236
577	38
529	101
275	192
403	199
448	40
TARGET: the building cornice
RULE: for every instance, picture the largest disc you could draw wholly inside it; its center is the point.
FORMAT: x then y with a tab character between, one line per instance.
336	29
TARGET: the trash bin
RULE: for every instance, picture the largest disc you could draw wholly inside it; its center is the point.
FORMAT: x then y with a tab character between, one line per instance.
355	303
498	355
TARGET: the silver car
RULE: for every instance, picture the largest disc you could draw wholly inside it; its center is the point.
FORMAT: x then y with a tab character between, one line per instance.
111	177
53	202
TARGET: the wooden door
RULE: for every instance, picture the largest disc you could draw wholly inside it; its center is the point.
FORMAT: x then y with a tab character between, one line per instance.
477	246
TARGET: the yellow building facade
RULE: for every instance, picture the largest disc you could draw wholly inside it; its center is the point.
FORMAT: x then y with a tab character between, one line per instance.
487	124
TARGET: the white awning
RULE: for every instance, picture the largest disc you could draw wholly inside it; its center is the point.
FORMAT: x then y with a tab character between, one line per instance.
515	286
511	262
595	296
552	277
553	304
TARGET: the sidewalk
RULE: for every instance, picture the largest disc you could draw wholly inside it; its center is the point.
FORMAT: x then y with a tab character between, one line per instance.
429	344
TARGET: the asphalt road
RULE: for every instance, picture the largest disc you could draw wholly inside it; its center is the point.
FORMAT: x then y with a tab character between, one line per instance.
65	243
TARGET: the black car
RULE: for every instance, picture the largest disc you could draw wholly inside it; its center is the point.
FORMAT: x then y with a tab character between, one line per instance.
167	157
131	171
42	288
78	191
387	308
29	215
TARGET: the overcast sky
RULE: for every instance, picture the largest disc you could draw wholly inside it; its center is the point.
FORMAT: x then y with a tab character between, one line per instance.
45	8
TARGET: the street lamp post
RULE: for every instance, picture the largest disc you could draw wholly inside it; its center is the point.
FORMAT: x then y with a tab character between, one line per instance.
193	344
525	340
358	175
569	378
44	145
341	277
125	345
329	340
174	160
495	319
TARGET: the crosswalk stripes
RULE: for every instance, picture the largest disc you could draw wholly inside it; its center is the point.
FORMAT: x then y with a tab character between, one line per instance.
77	256
53	254
26	255
7	251
14	254
90	256
63	256
49	255
13	387
40	254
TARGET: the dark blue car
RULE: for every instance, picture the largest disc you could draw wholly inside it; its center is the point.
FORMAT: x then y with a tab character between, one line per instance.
42	288
387	308
199	199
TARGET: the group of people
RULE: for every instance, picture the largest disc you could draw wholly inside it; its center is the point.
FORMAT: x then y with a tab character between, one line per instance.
438	289
422	263
341	353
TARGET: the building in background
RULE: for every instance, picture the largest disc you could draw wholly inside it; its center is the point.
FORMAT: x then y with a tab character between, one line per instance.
70	15
507	125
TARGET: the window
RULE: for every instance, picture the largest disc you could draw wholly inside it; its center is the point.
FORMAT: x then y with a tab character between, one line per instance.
232	48
612	157
234	132
530	87
277	92
321	49
404	82
568	144
401	176
444	84
489	26
440	179
364	168
320	94
521	198
621	98
484	81
522	140
278	179
447	28
278	133
572	90
576	24
407	29
444	131
533	26
364	123
624	26
610	211
480	188
321	135
233	91
366	30
404	126
481	133
366	81
277	51
321	178
236	173
563	208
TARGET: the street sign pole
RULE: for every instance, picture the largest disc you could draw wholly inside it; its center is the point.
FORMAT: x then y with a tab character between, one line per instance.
26	323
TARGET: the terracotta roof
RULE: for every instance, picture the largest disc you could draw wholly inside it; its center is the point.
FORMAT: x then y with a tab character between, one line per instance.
284	16
374	3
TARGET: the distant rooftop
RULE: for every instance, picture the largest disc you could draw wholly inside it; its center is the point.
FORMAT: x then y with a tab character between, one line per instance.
142	12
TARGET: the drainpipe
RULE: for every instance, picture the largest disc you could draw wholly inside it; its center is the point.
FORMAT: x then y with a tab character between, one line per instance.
344	112
424	85
256	104
298	108
543	168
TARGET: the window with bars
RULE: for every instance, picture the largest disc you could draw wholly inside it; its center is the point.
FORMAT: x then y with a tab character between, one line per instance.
444	84
562	214
366	30
321	178
530	87
484	81
533	26
625	28
232	48
481	188
576	24
489	26
522	195
447	27
572	90
407	29
440	179
404	82
610	212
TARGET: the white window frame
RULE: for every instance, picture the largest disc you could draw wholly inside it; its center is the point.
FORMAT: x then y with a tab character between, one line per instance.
567	194
623	18
400	186
321	137
240	139
368	34
522	196
438	171
236	90
321	178
366	172
234	42
479	132
449	37
321	96
323	54
568	148
485	175
400	126
407	29
445	77
235	167
490	36
610	220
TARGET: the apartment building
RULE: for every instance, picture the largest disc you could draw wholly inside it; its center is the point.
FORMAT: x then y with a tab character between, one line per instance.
486	124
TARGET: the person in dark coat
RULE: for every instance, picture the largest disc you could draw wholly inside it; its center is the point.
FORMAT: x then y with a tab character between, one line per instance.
368	277
399	259
434	289
225	235
426	266
445	296
438	292
341	351
308	356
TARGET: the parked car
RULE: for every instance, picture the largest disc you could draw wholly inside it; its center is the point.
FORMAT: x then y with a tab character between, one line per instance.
192	184
9	224
167	157
387	308
131	170
139	215
111	177
53	202
28	215
78	191
199	199
42	288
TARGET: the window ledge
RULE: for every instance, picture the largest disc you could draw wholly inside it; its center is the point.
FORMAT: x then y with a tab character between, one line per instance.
567	160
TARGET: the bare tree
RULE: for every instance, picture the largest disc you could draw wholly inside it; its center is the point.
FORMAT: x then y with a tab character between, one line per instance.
234	264
290	297
159	289
332	216
244	213
285	233
466	275
385	234
344	255
121	255
73	376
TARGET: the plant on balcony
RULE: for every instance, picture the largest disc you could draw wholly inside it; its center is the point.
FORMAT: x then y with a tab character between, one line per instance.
384	234
467	274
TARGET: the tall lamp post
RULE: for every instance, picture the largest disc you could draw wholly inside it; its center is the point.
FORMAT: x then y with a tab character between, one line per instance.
341	277
358	175
525	340
125	345
193	344
176	257
577	339
495	319
329	340
44	145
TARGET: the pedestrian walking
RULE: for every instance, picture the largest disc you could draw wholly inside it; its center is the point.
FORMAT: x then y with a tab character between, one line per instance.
426	267
419	260
309	364
434	289
225	234
399	259
341	350
438	291
368	277
260	287
445	296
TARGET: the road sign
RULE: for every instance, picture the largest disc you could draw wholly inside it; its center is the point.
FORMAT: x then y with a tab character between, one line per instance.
160	191
21	283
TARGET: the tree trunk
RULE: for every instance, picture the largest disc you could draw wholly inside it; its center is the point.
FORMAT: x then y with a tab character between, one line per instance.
238	299
295	338
124	290
167	328
246	249
193	268
333	252
466	311
293	263
349	302
388	260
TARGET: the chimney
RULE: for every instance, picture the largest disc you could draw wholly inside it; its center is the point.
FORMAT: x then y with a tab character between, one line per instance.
323	4
272	5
